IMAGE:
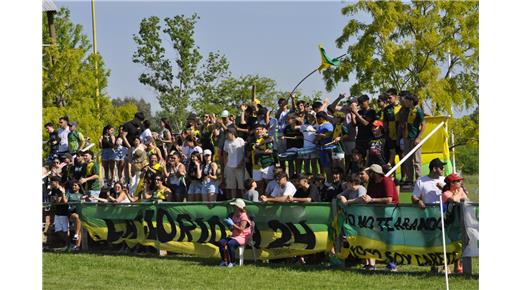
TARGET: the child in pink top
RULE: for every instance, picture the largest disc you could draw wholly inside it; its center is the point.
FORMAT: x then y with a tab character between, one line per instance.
240	232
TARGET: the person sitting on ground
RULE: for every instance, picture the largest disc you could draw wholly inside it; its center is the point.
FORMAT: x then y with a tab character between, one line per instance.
251	194
307	192
283	193
240	232
353	191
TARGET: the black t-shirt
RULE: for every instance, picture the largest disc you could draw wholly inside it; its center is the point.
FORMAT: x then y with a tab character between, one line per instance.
330	192
293	143
59	209
79	171
54	142
312	192
134	129
365	132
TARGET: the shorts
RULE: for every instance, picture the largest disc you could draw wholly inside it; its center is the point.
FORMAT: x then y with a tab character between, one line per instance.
61	223
338	155
195	187
120	154
178	190
107	154
266	173
209	187
234	177
349	147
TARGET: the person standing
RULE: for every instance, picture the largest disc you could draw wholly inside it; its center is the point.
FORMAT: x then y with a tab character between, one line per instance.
209	178
107	143
390	116
53	142
76	140
90	179
415	126
63	133
364	118
324	138
262	157
233	158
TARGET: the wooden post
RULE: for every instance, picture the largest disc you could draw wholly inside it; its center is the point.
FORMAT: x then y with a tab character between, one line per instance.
466	261
84	239
253	94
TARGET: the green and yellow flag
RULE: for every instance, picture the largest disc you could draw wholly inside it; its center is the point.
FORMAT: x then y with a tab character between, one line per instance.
326	62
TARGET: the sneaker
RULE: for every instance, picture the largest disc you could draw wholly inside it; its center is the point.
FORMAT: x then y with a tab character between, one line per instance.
230	265
392	267
74	248
369	268
223	264
75	238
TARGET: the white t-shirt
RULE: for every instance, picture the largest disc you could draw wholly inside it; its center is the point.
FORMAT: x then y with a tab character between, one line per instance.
426	189
235	151
288	190
309	133
64	139
146	136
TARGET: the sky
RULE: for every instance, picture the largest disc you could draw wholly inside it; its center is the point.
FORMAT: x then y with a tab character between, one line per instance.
278	40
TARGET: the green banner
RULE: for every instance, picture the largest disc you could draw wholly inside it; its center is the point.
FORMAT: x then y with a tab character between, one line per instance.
281	231
404	234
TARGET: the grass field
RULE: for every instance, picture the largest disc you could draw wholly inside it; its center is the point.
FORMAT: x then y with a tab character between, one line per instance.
105	271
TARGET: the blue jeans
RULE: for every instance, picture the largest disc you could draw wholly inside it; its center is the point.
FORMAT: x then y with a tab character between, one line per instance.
232	245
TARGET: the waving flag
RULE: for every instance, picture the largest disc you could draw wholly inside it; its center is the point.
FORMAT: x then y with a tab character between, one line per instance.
326	62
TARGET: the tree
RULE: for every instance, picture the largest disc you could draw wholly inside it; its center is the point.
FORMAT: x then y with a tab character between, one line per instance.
141	104
173	89
466	132
69	81
407	46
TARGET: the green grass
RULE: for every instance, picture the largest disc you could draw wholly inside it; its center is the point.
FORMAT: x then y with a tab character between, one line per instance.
104	271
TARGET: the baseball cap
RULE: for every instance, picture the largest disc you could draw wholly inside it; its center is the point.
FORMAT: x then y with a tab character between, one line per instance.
377	123
224	114
453	177
240	203
207	152
376	169
363	98
437	163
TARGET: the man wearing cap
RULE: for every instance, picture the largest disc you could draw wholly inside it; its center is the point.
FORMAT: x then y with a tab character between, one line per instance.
413	130
233	158
381	189
364	118
376	146
428	189
75	139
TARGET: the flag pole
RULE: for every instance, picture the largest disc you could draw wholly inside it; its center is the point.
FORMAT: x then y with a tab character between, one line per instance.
444	246
311	74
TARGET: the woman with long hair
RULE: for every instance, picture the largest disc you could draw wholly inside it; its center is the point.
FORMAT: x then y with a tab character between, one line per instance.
121	152
161	192
209	178
195	175
107	142
175	173
165	140
454	191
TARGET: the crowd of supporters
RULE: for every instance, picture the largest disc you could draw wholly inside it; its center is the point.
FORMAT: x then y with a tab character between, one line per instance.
297	152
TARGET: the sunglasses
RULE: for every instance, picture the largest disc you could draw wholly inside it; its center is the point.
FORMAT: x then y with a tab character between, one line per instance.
158	179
